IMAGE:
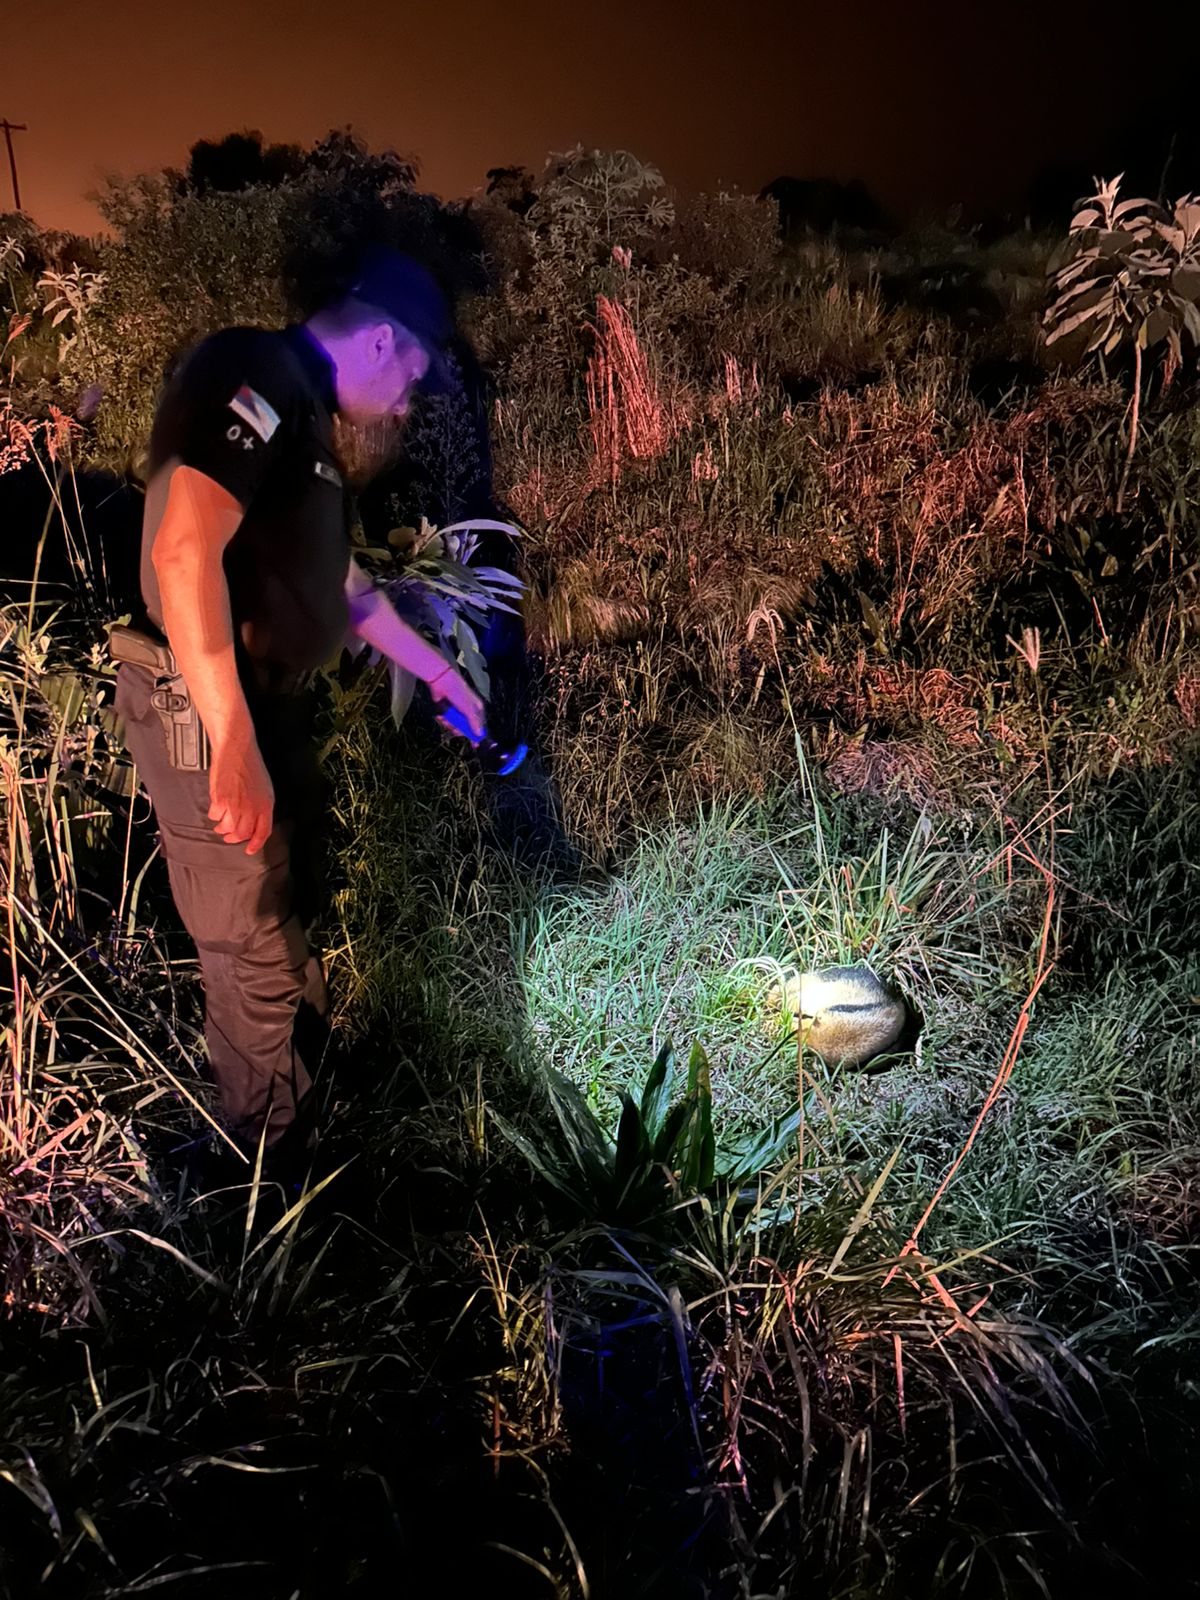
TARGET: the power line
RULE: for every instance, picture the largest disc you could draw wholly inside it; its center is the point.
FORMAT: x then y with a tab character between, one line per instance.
9	129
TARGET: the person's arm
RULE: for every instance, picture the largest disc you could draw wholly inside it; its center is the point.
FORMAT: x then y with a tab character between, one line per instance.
199	520
375	620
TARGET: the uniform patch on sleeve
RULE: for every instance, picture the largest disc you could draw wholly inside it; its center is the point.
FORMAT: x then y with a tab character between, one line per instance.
255	412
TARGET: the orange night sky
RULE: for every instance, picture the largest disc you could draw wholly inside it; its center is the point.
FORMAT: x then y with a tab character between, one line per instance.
929	103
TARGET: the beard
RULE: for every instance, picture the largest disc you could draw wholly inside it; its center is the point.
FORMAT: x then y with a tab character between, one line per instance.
365	447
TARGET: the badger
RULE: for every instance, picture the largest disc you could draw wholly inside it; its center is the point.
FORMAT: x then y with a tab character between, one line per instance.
844	1013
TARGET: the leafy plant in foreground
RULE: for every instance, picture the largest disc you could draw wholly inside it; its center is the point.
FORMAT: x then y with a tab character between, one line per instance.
663	1154
445	597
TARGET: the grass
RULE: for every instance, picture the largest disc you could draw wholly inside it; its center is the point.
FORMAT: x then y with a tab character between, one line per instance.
442	1245
849	660
687	940
685	943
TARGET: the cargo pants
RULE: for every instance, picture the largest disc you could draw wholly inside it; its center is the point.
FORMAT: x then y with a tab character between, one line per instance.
263	986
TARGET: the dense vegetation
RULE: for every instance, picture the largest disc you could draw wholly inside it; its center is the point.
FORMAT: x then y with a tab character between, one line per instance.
841	651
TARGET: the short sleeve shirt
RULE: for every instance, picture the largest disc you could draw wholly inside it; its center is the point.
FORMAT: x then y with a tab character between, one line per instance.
252	410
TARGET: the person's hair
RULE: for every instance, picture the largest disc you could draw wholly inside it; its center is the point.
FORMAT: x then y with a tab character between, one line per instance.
345	314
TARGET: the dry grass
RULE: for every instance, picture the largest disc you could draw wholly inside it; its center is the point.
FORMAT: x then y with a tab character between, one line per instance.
627	411
87	1015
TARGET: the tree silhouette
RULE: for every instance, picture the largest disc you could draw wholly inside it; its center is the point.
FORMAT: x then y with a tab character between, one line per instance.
512	187
239	161
242	161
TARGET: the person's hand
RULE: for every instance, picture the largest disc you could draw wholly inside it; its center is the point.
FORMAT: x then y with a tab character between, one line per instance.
453	687
242	795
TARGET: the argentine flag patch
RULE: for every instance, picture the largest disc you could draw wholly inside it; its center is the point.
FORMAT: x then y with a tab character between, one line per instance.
255	412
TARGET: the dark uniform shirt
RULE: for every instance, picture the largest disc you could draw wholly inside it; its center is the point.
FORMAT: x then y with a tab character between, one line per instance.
253	410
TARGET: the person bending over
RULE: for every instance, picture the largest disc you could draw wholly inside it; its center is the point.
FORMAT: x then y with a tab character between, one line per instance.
247	575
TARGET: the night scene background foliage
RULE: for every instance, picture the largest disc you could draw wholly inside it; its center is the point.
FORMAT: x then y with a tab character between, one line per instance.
860	600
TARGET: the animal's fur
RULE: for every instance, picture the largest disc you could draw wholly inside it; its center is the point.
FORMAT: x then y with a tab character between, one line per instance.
844	1013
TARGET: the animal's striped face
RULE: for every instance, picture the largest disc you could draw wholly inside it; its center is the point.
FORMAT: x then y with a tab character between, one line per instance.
846	1014
847	990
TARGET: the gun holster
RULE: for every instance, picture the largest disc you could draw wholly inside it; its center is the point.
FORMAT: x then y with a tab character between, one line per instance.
187	742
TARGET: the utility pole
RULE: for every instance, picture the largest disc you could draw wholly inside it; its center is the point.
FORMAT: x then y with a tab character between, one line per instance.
9	129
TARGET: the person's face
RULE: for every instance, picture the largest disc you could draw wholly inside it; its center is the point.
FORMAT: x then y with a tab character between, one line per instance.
379	381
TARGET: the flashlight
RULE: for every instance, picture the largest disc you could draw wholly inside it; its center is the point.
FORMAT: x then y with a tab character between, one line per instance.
494	759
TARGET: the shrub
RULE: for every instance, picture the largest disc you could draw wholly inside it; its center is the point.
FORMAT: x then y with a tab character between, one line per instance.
1129	275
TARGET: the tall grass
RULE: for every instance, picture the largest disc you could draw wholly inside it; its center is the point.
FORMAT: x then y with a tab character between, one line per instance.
841	659
92	1043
